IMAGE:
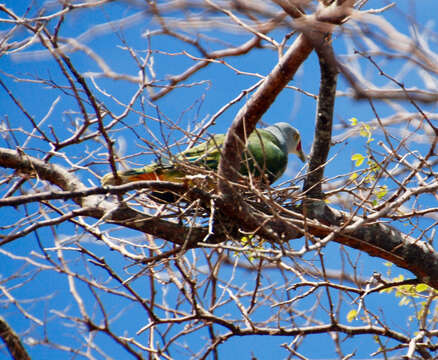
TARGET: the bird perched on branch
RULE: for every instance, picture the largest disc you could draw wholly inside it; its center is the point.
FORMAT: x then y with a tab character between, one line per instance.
265	156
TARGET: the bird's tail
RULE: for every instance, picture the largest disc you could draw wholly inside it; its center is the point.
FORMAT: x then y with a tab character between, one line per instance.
150	172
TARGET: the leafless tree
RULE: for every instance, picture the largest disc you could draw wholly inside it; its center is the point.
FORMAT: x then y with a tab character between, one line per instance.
89	87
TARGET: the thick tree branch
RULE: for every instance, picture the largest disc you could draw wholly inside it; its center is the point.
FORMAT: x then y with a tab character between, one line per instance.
247	118
314	35
379	240
97	207
292	8
324	120
375	239
12	341
55	174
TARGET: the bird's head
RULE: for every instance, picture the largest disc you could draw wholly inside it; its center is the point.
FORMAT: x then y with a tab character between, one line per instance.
290	137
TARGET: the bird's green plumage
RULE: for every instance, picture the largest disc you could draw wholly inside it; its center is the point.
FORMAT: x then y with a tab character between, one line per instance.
263	155
266	156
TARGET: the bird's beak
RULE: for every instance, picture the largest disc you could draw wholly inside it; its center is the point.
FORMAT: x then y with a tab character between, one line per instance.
300	152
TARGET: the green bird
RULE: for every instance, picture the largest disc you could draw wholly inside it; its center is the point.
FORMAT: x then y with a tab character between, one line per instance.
265	156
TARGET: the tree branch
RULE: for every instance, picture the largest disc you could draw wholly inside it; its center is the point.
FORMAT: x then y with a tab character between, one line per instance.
375	239
247	118
324	120
97	207
12	341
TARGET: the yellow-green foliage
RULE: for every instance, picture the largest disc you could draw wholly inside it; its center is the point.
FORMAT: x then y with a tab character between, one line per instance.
413	295
369	174
251	244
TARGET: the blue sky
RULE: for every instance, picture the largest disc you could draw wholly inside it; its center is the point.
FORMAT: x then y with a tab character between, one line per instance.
209	90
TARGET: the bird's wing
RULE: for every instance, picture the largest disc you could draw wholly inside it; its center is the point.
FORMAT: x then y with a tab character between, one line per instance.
150	172
264	156
206	154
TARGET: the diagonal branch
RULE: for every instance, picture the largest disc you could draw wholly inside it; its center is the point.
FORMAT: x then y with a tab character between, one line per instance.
96	207
12	341
247	118
377	240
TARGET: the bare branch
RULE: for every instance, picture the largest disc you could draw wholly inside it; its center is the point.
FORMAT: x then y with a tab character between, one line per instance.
12	341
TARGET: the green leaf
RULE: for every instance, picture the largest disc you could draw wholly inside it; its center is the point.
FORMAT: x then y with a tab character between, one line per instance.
421	287
374	167
370	178
244	240
352	314
365	130
358	159
381	191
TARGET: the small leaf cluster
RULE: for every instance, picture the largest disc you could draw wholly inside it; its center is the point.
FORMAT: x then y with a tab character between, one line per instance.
409	295
372	169
251	243
408	292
